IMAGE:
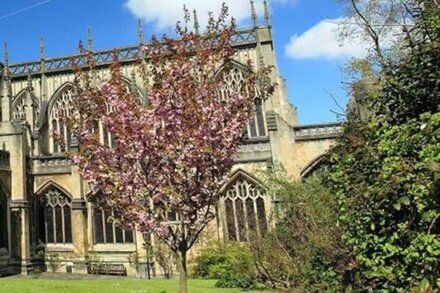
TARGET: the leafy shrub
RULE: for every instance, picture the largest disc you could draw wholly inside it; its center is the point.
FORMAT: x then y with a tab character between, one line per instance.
231	264
233	279
304	247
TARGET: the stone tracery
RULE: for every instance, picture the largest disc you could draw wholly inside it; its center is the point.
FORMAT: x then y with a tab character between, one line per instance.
57	214
19	111
63	106
233	79
245	210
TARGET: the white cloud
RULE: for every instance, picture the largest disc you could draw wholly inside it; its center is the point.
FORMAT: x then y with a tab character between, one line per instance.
322	41
166	13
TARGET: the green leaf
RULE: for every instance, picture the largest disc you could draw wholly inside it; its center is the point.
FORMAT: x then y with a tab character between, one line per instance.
405	200
424	285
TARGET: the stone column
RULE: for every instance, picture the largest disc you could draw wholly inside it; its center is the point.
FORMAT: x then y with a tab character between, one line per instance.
79	224
79	235
20	238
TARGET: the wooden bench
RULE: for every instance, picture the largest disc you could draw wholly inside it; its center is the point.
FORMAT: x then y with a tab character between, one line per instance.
107	269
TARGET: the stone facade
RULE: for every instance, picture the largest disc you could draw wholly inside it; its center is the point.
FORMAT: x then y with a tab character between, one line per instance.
44	213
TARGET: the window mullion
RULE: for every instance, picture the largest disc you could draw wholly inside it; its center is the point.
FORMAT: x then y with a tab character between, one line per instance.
237	234
104	226
54	222
114	230
63	224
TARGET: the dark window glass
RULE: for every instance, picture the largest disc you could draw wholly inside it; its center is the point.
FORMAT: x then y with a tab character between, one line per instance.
41	224
58	225
112	140
49	224
67	224
172	216
108	229
240	219
261	215
105	134
129	236
55	144
230	222
253	129
99	229
250	214
62	135
260	120
119	237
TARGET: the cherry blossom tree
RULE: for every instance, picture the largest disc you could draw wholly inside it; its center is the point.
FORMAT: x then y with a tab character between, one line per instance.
168	155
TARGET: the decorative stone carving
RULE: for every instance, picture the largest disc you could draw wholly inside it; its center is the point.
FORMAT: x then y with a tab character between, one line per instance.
55	161
318	131
257	147
125	54
19	111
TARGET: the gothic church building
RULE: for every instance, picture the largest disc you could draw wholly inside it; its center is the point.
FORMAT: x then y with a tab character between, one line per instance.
43	200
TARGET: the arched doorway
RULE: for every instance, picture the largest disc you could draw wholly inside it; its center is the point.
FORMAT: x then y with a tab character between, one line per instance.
4	233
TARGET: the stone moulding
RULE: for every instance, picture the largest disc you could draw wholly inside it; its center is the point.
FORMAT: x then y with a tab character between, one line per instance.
317	131
50	165
258	147
19	204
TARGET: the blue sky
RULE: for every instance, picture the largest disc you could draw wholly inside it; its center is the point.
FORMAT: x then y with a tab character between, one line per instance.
309	56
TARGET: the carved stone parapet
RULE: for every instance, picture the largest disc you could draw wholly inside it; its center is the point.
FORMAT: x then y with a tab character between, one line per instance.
254	151
256	147
317	131
242	37
50	165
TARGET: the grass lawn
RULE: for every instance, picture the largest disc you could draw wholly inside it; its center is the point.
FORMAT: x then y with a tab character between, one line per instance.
113	285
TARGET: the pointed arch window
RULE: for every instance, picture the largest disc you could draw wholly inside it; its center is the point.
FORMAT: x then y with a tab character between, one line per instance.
106	231
57	217
19	110
245	210
63	106
233	82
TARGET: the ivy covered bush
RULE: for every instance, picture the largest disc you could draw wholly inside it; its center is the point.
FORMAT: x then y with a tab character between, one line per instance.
385	173
387	185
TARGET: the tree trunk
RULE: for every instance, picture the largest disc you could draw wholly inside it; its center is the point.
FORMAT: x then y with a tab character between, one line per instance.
183	273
